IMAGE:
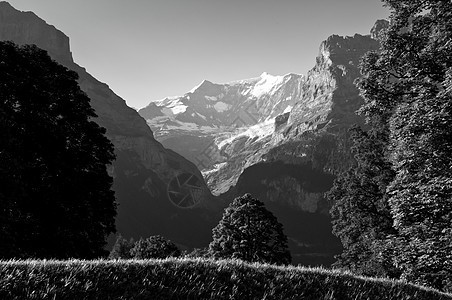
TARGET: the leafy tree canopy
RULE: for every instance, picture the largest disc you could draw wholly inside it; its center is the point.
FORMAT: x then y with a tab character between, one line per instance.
55	196
250	232
407	86
360	209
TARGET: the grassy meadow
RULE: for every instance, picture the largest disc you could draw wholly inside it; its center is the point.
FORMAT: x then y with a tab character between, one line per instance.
192	279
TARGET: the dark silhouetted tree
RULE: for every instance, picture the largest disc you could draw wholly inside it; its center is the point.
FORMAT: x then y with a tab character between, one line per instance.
154	247
55	196
248	231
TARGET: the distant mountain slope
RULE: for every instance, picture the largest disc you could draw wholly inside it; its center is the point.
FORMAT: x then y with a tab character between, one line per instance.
150	181
314	131
211	114
211	106
288	156
225	128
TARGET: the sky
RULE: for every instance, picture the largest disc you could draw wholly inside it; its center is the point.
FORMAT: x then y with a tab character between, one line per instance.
150	49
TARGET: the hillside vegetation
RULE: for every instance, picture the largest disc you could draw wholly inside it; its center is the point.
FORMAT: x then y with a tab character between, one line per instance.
191	279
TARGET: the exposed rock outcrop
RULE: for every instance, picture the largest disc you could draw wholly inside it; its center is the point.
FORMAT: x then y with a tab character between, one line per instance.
151	199
330	97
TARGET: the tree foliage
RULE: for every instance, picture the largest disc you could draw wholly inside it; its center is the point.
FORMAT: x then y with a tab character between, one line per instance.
154	247
248	231
55	196
360	209
407	85
407	89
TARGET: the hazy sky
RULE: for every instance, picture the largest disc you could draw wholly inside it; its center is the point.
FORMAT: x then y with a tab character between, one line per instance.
150	49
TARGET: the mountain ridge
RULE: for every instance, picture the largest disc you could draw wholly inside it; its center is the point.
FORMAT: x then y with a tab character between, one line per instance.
291	161
211	113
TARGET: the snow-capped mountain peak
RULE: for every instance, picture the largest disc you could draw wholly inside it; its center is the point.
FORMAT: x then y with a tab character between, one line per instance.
205	85
266	83
235	104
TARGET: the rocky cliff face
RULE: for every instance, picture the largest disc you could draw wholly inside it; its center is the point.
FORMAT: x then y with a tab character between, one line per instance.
325	108
330	97
27	28
158	191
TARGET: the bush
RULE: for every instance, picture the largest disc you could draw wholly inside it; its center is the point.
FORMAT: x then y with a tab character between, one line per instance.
154	247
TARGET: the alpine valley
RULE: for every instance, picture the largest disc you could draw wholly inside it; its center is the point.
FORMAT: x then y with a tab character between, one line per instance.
281	138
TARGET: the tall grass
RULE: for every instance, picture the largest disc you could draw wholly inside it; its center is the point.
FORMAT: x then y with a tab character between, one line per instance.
191	279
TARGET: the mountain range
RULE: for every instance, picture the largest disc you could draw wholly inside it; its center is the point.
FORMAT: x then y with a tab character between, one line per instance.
281	138
215	125
212	114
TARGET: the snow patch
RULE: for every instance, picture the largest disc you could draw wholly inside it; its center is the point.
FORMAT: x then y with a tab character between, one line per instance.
221	106
175	110
211	98
196	87
186	126
171	106
288	109
216	168
202	116
266	83
259	130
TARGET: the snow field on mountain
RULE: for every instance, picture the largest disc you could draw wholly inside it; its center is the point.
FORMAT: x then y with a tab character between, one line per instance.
260	130
266	84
